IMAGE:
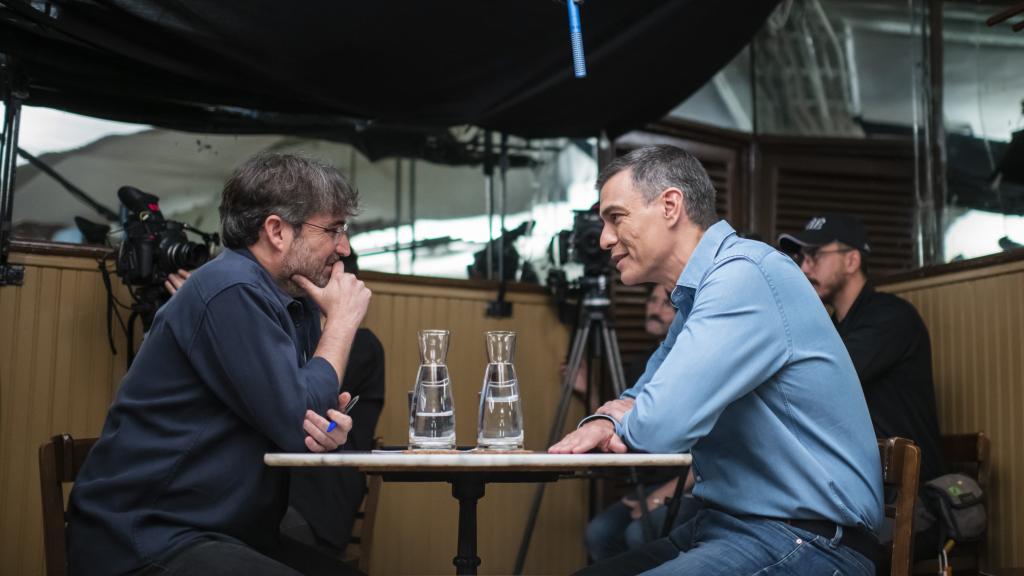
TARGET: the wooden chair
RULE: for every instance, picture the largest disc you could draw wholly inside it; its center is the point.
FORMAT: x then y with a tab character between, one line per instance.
966	454
59	462
901	463
62	457
360	547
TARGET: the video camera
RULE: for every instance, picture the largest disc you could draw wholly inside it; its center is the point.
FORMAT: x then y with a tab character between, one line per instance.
153	246
581	244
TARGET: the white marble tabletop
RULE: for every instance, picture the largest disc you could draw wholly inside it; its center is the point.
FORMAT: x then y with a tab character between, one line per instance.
472	460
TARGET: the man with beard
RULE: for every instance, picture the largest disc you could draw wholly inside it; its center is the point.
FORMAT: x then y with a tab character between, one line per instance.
887	341
324	502
234	366
751	379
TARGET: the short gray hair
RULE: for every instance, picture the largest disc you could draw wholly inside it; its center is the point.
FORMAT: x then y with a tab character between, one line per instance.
293	187
655	168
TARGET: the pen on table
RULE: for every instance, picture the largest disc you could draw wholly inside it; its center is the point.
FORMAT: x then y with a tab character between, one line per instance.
348	408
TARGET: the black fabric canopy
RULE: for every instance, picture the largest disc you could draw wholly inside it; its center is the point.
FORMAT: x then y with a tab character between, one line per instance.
390	77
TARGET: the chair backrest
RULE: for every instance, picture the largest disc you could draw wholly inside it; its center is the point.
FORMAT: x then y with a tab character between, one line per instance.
968	454
360	544
901	463
368	517
59	462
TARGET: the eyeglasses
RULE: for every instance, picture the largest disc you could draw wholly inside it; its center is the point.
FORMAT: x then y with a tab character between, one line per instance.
811	255
336	232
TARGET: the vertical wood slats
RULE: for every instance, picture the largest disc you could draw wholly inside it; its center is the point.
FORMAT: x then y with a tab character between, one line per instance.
880	192
976	323
57	375
422	518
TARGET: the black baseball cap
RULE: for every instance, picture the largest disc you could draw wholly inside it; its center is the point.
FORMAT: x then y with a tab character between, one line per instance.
826	228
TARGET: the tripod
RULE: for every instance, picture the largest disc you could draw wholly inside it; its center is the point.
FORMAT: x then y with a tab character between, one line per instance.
593	323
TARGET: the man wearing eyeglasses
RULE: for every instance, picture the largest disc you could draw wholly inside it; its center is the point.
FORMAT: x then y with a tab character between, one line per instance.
886	339
235	365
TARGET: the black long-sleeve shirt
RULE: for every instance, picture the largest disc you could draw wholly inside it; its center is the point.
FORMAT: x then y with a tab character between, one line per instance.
329	498
224	375
889	345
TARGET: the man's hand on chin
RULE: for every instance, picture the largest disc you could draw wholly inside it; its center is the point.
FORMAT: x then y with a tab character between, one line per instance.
598	434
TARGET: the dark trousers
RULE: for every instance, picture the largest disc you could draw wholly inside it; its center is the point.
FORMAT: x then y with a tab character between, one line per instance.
232	558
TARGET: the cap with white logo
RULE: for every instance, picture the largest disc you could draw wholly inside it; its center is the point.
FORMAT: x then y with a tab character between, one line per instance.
826	228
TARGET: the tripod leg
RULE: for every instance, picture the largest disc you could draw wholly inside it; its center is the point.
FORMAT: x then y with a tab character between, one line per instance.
611	345
673	505
579	346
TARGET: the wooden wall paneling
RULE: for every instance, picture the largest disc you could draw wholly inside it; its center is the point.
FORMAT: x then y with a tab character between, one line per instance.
422	518
57	375
976	322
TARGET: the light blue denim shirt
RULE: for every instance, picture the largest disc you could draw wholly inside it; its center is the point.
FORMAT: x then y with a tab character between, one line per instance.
754	380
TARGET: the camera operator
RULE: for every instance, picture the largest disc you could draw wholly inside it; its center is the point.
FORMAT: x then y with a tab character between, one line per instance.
235	365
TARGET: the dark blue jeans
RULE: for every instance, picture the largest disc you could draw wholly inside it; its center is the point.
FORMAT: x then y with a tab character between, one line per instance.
613	530
228	557
714	543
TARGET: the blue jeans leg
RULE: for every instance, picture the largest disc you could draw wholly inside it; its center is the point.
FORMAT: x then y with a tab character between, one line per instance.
635	536
606	533
688	508
716	544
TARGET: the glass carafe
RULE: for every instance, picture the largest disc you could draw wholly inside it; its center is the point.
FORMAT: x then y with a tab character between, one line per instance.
432	410
500	423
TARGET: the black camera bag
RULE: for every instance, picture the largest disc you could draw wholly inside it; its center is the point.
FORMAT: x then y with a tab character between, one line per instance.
960	505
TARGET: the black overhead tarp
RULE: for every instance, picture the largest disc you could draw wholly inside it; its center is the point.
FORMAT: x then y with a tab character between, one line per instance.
390	77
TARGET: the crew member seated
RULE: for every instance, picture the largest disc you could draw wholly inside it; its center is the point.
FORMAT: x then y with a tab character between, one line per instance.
887	341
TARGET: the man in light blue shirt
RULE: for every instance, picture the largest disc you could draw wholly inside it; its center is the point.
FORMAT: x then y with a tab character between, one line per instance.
760	389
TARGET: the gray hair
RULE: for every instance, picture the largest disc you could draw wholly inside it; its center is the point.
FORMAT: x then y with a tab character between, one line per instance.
290	186
656	168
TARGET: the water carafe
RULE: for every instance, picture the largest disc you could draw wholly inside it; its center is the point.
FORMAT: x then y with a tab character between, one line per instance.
432	410
500	423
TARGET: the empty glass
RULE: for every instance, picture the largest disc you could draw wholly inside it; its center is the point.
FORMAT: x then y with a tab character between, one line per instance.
432	410
500	423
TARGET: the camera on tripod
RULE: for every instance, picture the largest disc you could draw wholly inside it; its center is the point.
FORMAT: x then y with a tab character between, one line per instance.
154	246
582	245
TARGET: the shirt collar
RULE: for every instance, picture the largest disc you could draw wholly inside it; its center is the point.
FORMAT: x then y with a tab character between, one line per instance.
703	255
858	302
286	299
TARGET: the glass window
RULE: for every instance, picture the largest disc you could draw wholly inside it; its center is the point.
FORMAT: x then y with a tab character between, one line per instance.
983	93
451	208
838	68
725	101
547	180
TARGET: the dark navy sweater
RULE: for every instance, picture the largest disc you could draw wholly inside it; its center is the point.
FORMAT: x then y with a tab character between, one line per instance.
221	378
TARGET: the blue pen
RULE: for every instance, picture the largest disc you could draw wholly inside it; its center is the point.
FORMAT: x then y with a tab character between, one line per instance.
348	408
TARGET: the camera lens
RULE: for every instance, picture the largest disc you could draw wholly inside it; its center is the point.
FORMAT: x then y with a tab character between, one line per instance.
187	255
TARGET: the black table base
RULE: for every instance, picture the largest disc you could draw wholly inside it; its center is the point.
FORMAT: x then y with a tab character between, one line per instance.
468	488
